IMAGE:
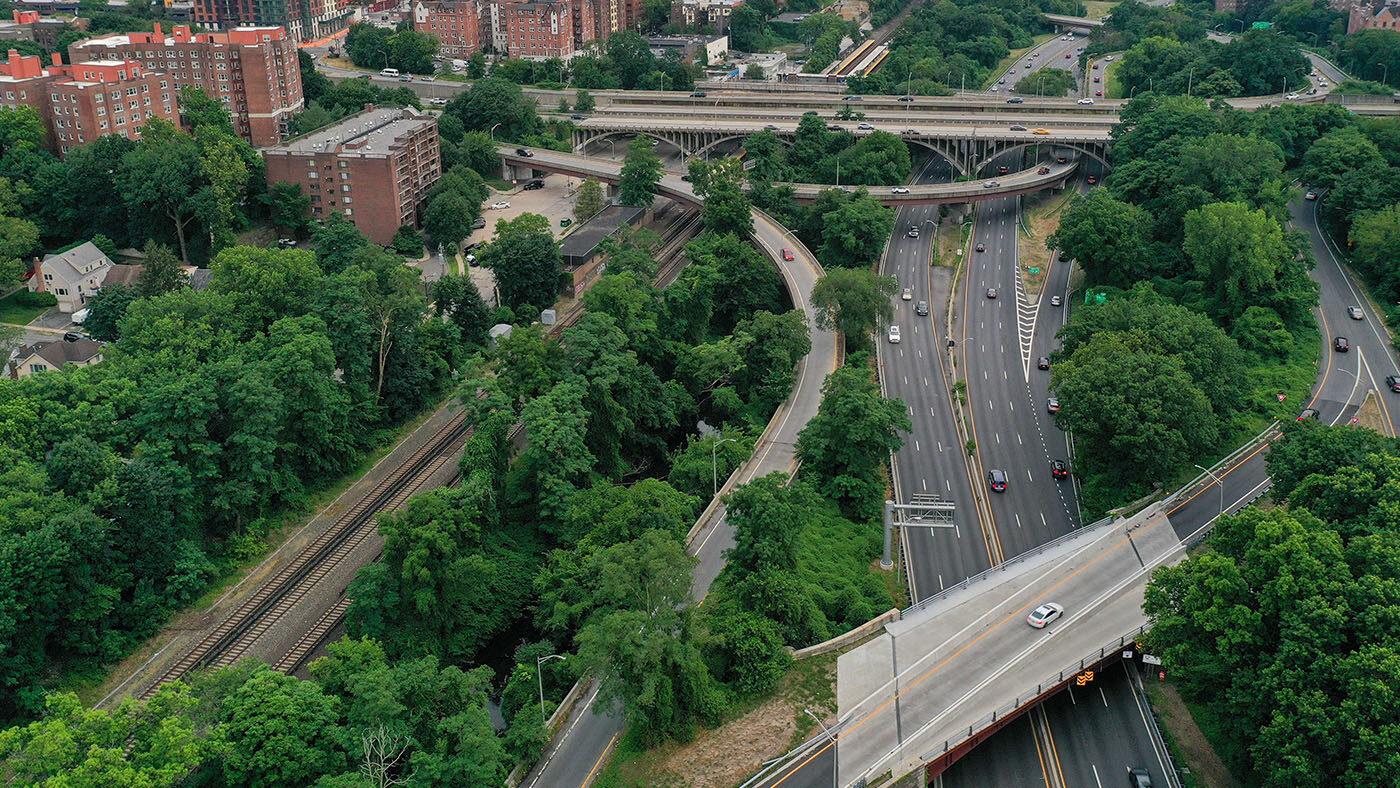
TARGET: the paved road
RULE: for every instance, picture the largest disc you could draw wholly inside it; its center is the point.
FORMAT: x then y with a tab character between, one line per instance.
573	756
1049	55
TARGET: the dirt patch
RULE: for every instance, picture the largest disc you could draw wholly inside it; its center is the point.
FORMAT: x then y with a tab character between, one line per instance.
726	756
1370	416
1040	216
1188	744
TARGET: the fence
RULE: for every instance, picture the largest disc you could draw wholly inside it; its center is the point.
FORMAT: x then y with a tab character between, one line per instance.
1233	459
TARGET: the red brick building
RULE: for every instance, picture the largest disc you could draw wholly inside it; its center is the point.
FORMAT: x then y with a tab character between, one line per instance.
531	29
1373	15
252	70
87	100
303	19
375	167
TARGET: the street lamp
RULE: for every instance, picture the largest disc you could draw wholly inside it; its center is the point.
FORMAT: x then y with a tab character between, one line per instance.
1219	484
1191	73
1385	73
714	467
1241	21
829	735
539	674
612	148
493	131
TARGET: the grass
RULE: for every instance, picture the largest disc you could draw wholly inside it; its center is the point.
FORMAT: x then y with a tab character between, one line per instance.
1098	9
91	686
499	184
1010	60
11	311
1188	743
1041	216
1112	87
753	730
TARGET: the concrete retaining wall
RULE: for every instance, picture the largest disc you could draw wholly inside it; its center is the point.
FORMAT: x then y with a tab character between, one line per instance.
847	638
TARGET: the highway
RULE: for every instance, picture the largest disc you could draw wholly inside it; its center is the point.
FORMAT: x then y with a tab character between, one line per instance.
1050	55
587	737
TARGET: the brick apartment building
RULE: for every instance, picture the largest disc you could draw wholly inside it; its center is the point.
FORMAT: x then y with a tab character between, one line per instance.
303	19
1373	15
79	103
42	30
375	167
531	29
252	70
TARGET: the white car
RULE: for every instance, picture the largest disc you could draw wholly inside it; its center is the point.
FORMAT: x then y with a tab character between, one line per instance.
908	294
471	258
501	205
899	190
1108	58
1291	96
894	335
1086	100
1045	614
437	102
865	126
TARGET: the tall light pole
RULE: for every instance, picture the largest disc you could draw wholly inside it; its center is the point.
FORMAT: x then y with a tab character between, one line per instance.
1241	21
493	131
539	674
714	466
1191	73
1385	73
1219	484
832	737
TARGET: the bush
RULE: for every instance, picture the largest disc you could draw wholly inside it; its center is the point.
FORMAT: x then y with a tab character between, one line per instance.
26	298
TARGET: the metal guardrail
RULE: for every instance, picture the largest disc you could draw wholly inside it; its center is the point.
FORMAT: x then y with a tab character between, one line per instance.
1053	680
1003	566
1231	460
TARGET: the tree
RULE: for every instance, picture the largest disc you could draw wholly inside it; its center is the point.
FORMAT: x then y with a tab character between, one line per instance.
590	199
854	234
448	219
1244	260
854	302
747	28
161	177
726	207
754	72
106	308
583	101
526	261
631	58
1338	152
160	273
1046	82
476	65
336	241
278	730
496	103
288	207
645	651
198	109
456	298
767	520
1375	244
223	165
641	171
1106	237
408	241
852	436
478	152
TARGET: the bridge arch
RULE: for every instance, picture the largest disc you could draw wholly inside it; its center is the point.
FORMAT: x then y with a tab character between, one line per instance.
581	143
1090	151
945	152
706	149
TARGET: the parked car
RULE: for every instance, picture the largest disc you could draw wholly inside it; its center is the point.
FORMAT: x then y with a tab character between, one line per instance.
478	223
72	336
500	205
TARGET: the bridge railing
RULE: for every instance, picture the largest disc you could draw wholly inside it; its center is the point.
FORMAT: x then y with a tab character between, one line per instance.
1005	565
1205	479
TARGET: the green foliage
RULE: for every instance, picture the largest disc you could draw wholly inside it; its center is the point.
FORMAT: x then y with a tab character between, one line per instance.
583	101
277	730
1368	53
855	231
1245	261
1107	237
590	199
288	207
494	103
1047	82
848	442
1338	152
641	171
1282	629
526	261
106	309
720	185
854	302
407	50
1258	63
408	241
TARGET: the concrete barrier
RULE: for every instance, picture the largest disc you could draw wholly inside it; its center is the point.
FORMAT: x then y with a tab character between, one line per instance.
847	638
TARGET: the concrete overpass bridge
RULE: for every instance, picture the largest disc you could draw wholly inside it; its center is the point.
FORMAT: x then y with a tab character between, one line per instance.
1072	22
968	147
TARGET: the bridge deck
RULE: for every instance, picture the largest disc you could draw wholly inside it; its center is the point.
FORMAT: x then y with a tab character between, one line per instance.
930	682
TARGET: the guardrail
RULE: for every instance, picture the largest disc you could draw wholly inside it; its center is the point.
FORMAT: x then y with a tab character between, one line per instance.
1004	565
1204	480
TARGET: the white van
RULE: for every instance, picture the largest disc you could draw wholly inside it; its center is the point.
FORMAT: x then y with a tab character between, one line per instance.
390	72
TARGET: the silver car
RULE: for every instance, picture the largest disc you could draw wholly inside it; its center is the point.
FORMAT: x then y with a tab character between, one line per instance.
1044	614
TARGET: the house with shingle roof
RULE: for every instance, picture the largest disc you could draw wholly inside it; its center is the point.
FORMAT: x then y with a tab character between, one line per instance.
47	356
72	276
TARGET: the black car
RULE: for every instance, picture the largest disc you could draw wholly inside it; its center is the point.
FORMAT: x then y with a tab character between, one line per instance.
996	479
698	94
853	98
533	185
1042	363
771	127
575	116
810	112
1002	170
523	152
1018	128
906	98
72	336
1341	344
1392	382
834	127
981	247
1058	469
921	309
1138	778
1015	100
1043	171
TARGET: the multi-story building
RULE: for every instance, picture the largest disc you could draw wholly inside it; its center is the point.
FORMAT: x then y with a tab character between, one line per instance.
1374	15
79	103
303	19
713	14
458	25
253	71
375	167
532	29
42	30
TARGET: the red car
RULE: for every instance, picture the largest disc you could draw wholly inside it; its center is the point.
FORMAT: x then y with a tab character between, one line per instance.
787	255
1066	56
1093	180
1043	171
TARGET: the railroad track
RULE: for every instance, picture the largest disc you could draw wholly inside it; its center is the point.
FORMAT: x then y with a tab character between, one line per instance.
271	602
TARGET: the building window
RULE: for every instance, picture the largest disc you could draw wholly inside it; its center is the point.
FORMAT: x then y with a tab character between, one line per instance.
347	200
38	368
62	291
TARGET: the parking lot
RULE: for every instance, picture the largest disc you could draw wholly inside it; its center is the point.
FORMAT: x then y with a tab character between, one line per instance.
555	201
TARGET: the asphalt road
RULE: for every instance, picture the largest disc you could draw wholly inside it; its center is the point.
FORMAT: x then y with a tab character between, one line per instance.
1050	54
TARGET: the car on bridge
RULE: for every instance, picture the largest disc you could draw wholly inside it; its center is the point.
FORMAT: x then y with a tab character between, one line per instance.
698	94
787	255
1018	128
863	126
771	127
990	185
899	190
1092	180
523	152
1044	614
996	479
913	232
906	98
834	127
1085	100
853	98
1341	344
1043	171
894	335
1041	131
1015	100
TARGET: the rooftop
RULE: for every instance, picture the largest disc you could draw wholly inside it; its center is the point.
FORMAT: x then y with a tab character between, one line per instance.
58	353
581	244
370	132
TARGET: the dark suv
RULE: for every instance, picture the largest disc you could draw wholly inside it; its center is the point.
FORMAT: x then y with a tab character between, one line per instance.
1059	470
996	479
1138	778
1392	382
